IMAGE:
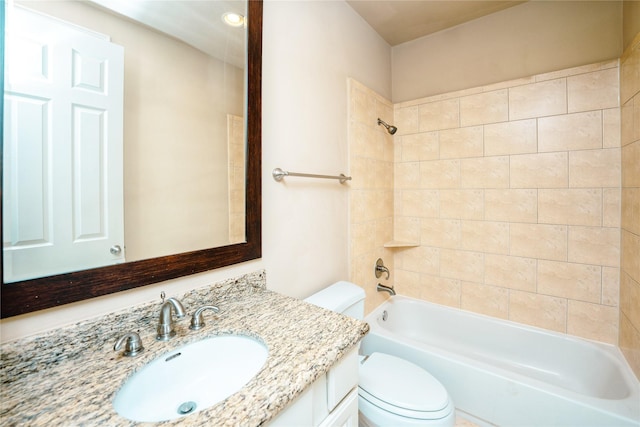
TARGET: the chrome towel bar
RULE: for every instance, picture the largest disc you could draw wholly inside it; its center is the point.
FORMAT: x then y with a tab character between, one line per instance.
279	174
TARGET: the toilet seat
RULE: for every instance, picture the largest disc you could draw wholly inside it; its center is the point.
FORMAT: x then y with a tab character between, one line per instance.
402	388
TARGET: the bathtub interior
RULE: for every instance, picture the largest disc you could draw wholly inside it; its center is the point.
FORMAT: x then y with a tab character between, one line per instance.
539	377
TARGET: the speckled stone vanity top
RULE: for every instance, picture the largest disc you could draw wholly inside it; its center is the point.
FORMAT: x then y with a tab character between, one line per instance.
69	376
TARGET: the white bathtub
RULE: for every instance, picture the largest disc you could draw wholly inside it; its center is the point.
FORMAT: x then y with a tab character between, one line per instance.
508	374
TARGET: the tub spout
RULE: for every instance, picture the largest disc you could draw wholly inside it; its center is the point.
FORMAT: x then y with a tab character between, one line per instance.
383	288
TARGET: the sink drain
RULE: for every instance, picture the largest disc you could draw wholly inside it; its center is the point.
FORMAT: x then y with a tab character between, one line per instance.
187	408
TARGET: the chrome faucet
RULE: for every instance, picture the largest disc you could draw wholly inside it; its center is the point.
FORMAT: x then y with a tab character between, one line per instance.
197	320
165	322
132	344
383	288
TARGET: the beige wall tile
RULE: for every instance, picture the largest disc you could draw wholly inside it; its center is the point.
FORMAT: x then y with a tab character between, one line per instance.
362	173
611	128
406	228
362	105
594	168
406	119
517	137
579	131
384	174
548	170
483	299
630	299
420	203
581	69
359	137
630	255
462	204
538	99
510	272
488	107
511	205
420	146
631	209
611	203
384	231
439	115
538	310
440	174
441	233
539	241
440	290
572	207
485	172
485	236
573	281
362	237
407	175
422	259
630	75
462	265
611	286
408	283
594	245
631	165
593	321
629	342
627	125
462	142
593	91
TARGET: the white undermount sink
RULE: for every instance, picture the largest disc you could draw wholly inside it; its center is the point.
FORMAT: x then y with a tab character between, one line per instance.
190	378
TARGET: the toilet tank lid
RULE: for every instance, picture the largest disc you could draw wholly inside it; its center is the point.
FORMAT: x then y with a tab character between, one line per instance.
337	297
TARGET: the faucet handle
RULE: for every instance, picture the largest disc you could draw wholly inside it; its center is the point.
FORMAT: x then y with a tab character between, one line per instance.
132	344
197	320
380	268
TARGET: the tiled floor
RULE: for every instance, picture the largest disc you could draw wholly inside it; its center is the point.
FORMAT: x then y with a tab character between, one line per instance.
461	422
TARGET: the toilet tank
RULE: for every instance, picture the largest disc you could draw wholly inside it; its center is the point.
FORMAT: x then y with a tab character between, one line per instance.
342	297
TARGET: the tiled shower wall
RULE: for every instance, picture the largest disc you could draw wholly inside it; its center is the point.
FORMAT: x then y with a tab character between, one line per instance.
510	195
630	227
512	192
371	189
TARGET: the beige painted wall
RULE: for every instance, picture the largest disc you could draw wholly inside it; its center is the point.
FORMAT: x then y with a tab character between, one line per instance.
310	49
176	103
305	230
630	243
524	40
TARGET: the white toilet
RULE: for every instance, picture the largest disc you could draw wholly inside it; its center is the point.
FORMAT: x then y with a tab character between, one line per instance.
391	391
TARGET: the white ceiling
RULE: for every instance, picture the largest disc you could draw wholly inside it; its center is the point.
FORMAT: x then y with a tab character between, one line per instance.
399	21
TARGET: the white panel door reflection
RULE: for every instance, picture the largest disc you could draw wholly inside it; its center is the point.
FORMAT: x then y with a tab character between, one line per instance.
63	148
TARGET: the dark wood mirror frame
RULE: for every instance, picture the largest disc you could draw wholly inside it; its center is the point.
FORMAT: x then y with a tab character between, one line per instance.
47	292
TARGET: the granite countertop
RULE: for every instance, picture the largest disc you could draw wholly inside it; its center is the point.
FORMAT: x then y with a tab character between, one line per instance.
69	376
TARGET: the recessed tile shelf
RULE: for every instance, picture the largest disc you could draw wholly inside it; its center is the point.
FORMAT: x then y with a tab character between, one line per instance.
400	244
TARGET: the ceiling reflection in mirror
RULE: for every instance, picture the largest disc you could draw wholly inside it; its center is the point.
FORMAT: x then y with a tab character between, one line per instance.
127	142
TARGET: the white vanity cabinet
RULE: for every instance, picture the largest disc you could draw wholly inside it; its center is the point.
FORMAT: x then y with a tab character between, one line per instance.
331	401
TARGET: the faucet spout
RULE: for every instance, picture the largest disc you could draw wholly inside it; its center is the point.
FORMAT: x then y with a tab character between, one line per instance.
383	288
165	321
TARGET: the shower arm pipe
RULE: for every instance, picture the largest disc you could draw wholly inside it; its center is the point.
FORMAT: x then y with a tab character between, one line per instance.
279	174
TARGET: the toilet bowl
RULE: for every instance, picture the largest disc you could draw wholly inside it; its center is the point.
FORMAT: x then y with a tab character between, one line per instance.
395	392
391	391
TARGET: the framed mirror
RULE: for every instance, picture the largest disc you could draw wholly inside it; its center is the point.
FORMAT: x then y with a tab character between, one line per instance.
24	296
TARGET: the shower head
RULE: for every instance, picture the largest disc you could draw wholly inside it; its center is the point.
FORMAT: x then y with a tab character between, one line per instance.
390	129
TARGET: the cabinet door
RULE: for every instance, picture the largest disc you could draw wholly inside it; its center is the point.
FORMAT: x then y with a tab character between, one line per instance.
345	414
